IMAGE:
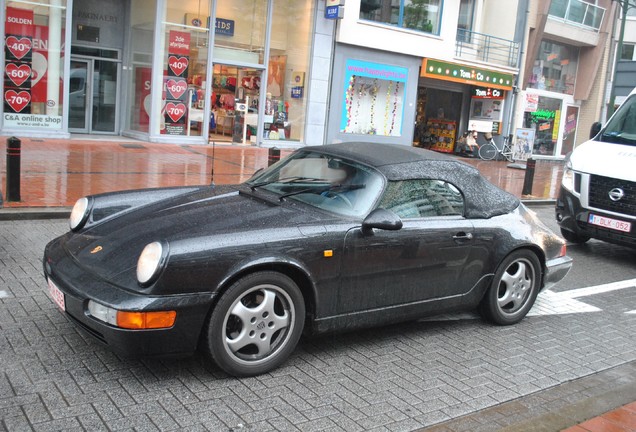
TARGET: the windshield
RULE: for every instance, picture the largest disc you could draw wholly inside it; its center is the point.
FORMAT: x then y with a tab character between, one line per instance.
621	128
330	183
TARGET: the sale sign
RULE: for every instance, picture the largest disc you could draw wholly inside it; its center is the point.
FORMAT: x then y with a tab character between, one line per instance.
176	84
18	54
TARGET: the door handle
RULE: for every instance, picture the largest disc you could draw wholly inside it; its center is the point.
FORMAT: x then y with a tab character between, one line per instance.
463	236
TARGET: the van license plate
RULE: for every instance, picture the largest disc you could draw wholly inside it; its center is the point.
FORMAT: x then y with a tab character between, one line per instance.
614	224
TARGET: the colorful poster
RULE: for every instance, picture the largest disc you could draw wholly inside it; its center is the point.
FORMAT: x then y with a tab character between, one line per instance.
175	84
523	145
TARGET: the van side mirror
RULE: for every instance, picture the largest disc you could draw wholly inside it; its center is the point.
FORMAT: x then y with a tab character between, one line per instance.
595	129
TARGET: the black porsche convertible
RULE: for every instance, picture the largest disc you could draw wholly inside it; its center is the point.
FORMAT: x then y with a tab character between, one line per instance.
333	237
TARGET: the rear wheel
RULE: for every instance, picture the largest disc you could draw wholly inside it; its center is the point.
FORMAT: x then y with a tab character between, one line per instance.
573	237
256	324
514	288
488	151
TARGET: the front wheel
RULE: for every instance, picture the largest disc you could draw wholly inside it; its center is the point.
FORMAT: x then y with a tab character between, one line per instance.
487	151
514	288
256	324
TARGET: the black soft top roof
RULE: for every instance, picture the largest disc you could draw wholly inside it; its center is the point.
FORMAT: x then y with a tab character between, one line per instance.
401	162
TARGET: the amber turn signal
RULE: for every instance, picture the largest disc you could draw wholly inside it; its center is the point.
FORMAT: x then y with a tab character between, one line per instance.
146	320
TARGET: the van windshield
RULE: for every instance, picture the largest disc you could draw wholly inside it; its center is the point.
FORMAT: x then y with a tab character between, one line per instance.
621	129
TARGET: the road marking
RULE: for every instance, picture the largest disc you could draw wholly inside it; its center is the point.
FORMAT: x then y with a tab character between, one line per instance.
559	303
555	303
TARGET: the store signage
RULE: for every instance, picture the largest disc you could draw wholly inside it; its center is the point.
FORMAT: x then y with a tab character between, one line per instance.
466	74
18	54
487	93
297	92
543	115
333	9
224	27
175	84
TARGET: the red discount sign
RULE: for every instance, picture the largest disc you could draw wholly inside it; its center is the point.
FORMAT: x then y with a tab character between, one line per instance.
175	111
17	101
178	65
18	74
176	88
19	48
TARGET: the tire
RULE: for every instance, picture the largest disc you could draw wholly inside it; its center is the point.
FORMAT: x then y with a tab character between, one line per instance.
514	288
488	151
573	237
255	325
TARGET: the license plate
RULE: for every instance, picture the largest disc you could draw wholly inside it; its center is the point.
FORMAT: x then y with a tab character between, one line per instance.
614	224
57	295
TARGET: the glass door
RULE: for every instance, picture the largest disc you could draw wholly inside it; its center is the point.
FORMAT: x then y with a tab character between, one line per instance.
93	96
79	95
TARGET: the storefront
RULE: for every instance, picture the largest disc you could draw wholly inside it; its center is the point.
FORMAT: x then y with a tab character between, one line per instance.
152	69
373	95
550	114
455	98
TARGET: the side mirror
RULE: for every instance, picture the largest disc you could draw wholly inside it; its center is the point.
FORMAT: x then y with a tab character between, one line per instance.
382	219
595	129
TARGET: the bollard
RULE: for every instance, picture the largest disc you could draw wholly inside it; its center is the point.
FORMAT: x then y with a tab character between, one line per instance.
273	156
13	169
529	178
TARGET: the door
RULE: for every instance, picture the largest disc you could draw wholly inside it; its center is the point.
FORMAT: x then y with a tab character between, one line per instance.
93	96
79	95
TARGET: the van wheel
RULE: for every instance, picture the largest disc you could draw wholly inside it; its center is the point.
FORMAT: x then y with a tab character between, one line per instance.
573	237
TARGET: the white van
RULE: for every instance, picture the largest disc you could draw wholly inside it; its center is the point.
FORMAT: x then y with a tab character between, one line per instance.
598	191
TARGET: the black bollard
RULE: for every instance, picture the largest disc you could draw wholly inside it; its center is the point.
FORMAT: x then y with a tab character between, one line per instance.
13	168
529	178
273	156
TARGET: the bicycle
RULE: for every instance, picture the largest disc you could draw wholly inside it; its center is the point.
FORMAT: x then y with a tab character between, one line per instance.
490	150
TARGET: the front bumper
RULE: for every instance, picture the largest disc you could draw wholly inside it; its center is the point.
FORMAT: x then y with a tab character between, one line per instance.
573	217
79	286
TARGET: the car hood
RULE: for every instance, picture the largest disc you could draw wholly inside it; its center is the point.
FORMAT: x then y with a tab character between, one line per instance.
605	159
111	249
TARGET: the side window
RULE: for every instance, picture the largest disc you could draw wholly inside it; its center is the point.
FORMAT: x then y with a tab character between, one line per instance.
422	198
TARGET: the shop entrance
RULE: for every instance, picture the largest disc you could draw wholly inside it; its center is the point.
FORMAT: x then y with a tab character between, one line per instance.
235	98
437	119
93	96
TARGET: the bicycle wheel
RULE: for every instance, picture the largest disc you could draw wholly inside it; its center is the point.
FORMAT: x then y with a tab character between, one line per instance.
488	151
507	152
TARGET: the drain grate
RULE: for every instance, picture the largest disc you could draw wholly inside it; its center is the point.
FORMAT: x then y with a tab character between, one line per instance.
133	146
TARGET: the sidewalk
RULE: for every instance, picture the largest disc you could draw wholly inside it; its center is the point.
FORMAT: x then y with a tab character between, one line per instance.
55	173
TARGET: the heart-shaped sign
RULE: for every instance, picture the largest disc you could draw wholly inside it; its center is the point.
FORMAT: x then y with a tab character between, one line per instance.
18	74
176	88
175	111
19	47
17	101
178	65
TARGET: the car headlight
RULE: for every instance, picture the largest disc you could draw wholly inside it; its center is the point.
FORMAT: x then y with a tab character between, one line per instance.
568	177
133	320
150	262
79	214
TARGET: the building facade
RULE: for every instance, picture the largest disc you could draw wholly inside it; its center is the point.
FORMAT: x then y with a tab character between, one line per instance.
181	71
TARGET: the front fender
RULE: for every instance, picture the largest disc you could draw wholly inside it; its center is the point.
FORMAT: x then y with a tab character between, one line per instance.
109	205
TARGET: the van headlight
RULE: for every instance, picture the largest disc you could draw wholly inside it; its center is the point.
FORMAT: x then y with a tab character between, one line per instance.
79	214
150	262
568	176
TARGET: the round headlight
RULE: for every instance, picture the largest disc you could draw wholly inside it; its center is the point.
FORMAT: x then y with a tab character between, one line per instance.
150	262
79	214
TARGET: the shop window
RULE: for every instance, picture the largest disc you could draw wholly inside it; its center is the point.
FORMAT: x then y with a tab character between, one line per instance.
374	99
290	47
544	117
34	60
465	20
420	15
140	44
240	30
555	68
185	64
